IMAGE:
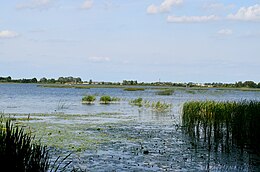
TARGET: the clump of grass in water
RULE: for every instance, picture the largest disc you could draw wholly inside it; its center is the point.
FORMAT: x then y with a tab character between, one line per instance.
166	92
155	106
161	107
89	99
107	99
137	102
224	124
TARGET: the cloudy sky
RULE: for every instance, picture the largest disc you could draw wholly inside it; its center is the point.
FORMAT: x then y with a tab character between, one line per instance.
144	40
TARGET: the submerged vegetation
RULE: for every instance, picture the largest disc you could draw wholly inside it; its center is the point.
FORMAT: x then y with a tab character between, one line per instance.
221	125
137	102
155	106
166	92
161	107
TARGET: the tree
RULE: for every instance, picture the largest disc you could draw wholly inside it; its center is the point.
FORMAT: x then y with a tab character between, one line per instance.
61	80
43	80
250	84
34	80
9	78
239	84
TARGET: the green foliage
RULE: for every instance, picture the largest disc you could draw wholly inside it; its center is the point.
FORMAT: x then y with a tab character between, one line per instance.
88	99
166	92
223	124
161	107
18	152
155	106
137	102
131	82
107	99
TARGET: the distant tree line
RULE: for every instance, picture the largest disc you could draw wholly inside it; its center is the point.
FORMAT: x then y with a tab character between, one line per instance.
131	82
9	79
77	80
240	84
60	80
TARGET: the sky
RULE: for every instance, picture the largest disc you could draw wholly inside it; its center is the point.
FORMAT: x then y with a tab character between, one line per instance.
146	40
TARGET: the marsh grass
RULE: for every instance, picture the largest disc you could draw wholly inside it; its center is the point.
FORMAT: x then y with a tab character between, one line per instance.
155	106
63	86
134	89
166	92
161	106
89	99
18	151
220	125
107	99
137	102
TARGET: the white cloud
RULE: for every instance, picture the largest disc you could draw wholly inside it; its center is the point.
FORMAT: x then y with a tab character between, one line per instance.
251	13
35	4
165	6
191	19
8	34
87	4
218	7
98	59
225	32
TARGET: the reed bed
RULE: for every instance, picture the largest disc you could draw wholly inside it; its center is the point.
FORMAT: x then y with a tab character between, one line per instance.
220	125
19	151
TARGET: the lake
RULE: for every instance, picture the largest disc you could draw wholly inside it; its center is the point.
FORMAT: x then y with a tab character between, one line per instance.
120	136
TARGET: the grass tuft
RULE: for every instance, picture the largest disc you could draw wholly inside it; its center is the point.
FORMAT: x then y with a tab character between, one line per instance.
89	99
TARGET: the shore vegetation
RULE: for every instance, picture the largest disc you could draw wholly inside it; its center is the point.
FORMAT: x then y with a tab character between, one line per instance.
220	125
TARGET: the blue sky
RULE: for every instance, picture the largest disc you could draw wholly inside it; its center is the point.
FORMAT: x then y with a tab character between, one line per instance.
144	40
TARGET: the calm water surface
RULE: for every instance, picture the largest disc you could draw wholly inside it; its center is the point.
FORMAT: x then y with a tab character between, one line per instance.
28	98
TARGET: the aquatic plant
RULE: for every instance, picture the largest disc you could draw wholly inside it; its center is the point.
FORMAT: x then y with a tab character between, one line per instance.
89	99
62	105
18	152
137	102
134	89
155	106
161	106
166	92
107	99
223	124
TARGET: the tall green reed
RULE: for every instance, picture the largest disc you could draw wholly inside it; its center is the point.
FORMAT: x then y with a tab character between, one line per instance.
220	125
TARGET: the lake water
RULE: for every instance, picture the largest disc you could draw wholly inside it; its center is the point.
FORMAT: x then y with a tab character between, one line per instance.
28	98
123	132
